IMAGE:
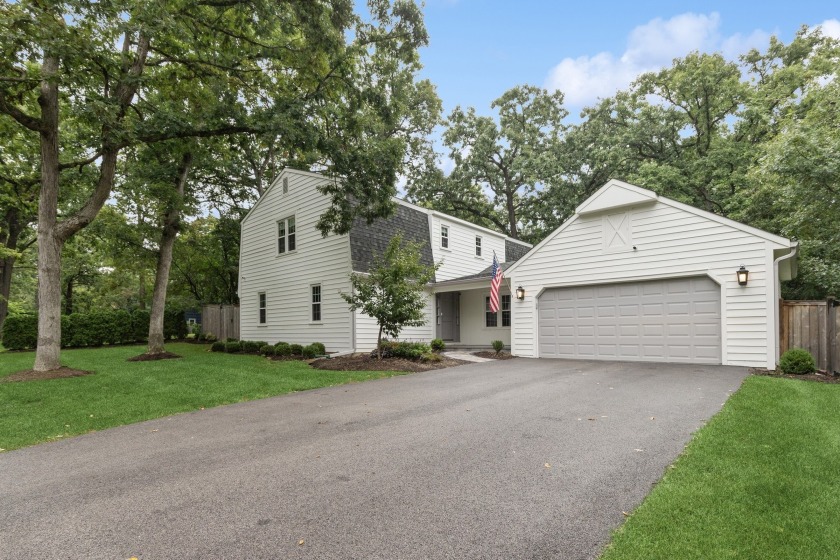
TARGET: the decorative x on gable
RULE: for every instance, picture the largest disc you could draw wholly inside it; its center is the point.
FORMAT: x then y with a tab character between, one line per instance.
617	231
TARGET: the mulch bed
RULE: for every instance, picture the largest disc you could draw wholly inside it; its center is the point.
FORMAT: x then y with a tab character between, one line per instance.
491	354
32	375
365	363
154	357
818	377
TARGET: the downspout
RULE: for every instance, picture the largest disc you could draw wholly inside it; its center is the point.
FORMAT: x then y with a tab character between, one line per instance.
777	280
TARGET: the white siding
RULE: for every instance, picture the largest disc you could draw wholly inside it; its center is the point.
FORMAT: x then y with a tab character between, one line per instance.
367	329
286	279
459	259
473	329
670	242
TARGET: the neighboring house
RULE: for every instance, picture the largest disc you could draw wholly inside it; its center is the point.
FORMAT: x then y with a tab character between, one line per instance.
291	278
636	276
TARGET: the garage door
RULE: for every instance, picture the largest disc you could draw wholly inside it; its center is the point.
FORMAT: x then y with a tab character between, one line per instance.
674	320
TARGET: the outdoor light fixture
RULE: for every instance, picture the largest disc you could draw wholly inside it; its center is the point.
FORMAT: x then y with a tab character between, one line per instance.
520	293
743	275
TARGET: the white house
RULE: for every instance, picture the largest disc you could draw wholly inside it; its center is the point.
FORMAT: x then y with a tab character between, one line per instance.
291	278
630	276
636	276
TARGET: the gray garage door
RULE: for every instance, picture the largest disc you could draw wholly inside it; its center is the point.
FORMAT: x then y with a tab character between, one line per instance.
674	320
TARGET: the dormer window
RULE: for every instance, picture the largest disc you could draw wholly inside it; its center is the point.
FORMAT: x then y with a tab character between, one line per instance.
444	237
477	246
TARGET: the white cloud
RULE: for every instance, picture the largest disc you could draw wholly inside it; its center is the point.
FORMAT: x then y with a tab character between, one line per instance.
830	28
649	47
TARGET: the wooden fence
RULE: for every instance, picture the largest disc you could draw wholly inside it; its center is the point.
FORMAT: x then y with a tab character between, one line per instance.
221	320
814	326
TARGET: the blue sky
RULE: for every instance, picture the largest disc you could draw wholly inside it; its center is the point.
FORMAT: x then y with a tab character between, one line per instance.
480	48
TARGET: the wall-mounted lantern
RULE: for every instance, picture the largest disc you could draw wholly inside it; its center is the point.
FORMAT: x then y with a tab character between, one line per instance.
743	275
520	293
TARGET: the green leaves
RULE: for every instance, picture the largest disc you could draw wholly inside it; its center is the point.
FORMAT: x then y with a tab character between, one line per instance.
393	291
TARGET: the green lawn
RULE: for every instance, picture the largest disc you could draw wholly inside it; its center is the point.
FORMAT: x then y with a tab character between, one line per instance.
122	392
761	481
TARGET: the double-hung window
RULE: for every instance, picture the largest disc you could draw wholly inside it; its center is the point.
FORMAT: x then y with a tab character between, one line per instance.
316	302
286	235
491	319
477	246
444	237
262	307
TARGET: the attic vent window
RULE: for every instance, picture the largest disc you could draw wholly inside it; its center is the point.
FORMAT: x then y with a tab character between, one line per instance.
285	185
617	231
444	237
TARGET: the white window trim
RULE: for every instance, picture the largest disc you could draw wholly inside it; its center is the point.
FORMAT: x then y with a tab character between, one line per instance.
264	299
479	247
320	304
447	237
285	222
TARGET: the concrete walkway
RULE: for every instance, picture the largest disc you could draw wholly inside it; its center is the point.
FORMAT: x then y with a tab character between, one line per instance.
466	356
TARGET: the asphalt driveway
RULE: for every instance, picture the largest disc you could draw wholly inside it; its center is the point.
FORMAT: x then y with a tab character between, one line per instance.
510	459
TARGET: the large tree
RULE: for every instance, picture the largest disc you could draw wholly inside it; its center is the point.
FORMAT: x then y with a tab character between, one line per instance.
109	67
500	165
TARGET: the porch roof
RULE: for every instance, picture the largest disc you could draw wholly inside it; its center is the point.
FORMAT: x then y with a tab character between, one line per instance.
483	275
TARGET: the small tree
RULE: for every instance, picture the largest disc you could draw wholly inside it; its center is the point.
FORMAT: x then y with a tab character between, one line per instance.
392	292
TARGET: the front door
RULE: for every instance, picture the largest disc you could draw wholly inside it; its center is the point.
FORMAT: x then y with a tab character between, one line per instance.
448	318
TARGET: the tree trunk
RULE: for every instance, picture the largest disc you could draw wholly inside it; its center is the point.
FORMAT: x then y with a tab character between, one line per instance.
7	264
171	224
49	244
379	344
68	296
52	234
513	230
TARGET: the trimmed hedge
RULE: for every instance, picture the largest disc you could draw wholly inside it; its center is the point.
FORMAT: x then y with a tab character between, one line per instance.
93	329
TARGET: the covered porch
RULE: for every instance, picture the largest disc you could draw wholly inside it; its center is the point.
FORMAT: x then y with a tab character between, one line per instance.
463	318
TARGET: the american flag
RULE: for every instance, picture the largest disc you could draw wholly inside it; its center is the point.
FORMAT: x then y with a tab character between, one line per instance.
495	281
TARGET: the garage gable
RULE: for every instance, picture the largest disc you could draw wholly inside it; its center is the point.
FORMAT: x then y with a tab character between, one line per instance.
628	244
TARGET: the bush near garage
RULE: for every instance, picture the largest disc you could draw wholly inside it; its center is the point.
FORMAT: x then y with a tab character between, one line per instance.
797	361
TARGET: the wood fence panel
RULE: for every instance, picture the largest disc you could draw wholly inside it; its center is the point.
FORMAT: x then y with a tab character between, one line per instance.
814	326
220	320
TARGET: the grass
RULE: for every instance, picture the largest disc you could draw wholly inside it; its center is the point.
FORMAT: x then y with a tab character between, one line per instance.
122	392
760	481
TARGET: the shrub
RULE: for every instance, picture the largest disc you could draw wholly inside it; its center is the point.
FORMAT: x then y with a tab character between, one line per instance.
174	324
320	349
405	350
260	343
229	339
283	349
430	357
20	331
200	337
232	347
297	349
497	345
797	361
251	346
139	325
438	345
267	350
210	337
218	346
309	352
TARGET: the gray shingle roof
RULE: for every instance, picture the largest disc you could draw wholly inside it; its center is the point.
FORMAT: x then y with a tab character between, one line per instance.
514	251
369	240
483	274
